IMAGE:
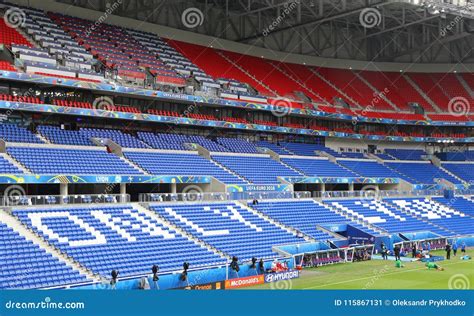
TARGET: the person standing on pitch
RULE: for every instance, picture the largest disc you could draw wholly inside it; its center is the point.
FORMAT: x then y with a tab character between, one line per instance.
448	252
384	251
413	250
455	248
396	251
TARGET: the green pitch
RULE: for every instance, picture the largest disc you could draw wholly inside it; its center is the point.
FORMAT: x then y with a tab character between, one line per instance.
379	274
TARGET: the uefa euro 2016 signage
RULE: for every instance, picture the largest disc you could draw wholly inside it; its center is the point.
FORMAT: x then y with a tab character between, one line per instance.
281	276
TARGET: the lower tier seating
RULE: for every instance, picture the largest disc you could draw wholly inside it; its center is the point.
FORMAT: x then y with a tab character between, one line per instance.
304	216
453	220
229	227
120	237
385	216
27	266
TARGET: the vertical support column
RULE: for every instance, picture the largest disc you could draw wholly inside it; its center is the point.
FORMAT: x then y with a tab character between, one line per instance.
323	187
123	192
63	191
173	188
351	187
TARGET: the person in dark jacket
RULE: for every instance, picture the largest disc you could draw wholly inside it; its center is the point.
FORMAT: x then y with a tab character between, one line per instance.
448	252
396	251
413	250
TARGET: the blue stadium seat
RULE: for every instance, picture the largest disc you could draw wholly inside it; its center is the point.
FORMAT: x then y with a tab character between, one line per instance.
181	164
304	215
258	170
27	266
421	172
71	161
16	134
385	216
228	227
319	167
64	137
451	219
122	139
121	237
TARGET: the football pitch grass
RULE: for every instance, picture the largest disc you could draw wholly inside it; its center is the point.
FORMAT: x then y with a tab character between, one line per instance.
382	274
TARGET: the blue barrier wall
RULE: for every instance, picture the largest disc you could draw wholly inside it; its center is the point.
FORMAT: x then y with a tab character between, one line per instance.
171	281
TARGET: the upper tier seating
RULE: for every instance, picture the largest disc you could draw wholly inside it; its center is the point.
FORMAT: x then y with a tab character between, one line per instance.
460	203
318	167
226	226
217	66
432	88
385	216
421	172
395	87
258	170
120	237
269	75
9	35
56	135
57	53
464	171
25	265
237	145
122	139
304	215
468	77
436	213
351	85
406	154
71	161
16	134
181	164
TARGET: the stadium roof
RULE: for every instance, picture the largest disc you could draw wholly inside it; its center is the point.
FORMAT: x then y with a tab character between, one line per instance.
368	30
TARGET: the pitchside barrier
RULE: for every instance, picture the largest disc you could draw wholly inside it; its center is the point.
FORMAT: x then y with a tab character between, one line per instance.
422	245
332	256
